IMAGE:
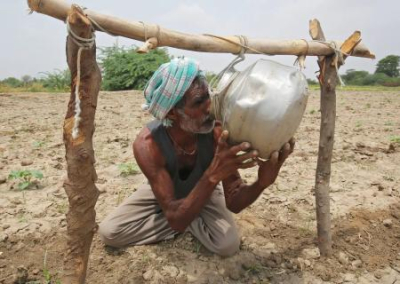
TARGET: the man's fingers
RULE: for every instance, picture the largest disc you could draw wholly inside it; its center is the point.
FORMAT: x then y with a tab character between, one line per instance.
241	147
284	153
274	158
223	137
222	140
292	143
249	155
249	164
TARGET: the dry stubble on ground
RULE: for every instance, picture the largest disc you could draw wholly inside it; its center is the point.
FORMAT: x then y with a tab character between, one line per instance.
278	230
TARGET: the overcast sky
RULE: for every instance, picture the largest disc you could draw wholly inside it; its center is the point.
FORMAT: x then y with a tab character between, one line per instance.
36	43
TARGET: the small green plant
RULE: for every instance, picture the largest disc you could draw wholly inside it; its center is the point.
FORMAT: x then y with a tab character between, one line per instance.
22	218
312	111
26	178
48	277
62	208
254	269
368	105
395	139
128	169
388	123
358	124
388	178
38	144
197	246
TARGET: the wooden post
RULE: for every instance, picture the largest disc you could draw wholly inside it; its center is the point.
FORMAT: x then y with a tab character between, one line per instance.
327	80
80	183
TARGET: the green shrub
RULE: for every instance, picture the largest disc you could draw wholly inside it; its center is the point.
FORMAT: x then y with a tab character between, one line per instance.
58	80
12	82
125	69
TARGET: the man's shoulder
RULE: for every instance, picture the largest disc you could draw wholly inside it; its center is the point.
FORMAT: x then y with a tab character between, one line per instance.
145	148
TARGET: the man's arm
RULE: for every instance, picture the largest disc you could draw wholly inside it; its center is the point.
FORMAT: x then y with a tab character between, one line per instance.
239	195
180	213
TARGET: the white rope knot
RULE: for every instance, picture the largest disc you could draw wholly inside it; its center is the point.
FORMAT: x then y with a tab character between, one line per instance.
338	58
301	58
156	36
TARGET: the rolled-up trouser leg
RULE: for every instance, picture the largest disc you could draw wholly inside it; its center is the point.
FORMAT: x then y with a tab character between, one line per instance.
138	220
215	227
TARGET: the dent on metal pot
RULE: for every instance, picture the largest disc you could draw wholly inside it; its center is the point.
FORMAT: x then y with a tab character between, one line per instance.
263	104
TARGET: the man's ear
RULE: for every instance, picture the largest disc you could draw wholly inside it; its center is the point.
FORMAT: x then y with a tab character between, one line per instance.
172	114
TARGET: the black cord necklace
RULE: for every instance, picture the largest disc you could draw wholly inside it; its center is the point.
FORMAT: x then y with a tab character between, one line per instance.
181	149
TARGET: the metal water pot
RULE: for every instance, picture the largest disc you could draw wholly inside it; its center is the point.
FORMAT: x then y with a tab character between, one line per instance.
263	104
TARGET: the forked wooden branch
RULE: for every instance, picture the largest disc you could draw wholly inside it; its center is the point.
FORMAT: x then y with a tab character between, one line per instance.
328	79
205	43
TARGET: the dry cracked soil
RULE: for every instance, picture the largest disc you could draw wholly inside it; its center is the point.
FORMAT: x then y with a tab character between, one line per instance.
278	232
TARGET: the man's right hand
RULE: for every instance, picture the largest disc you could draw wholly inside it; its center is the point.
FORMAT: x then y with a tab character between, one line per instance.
227	160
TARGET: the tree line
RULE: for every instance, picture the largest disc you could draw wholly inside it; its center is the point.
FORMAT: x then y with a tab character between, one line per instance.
387	73
124	69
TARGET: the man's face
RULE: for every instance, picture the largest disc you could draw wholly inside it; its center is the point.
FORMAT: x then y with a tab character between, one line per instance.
195	116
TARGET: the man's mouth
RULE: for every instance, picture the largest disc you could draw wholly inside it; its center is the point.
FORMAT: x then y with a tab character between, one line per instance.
209	120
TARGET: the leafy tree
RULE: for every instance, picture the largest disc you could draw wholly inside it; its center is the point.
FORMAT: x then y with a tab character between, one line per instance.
125	69
312	82
354	77
12	82
374	79
26	79
389	66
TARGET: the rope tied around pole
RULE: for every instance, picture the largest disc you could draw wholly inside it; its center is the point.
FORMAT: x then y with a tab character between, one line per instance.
144	30
83	44
301	58
338	58
243	45
156	36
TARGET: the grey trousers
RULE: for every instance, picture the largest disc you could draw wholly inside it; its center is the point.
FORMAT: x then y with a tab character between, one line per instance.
139	220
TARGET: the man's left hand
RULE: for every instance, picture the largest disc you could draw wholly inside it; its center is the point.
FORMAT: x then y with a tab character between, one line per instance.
268	170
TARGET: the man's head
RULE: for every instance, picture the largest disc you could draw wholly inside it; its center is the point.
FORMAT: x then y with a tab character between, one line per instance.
192	112
168	85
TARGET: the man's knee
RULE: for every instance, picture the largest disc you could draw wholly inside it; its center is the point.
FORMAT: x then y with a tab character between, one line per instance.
229	245
109	234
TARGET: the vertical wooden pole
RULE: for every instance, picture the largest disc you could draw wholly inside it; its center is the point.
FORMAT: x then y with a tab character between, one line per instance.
80	183
327	80
326	140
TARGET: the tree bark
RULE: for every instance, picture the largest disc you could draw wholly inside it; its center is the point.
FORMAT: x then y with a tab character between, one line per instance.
326	140
81	174
135	30
327	80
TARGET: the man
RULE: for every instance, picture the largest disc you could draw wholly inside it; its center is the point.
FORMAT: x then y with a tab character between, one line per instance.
185	157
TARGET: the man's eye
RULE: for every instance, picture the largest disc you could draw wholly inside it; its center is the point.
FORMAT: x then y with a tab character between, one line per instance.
200	101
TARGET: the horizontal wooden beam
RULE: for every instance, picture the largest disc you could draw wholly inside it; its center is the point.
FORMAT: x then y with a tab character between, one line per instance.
204	43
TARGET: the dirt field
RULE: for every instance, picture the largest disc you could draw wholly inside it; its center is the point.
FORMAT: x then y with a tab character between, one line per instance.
278	230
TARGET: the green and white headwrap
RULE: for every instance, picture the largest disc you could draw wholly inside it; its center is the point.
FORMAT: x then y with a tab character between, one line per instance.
168	85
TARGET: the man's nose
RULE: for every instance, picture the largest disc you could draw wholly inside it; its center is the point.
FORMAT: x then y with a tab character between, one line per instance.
208	105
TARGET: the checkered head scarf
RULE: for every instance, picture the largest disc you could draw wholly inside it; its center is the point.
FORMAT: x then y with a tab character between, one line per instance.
168	85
